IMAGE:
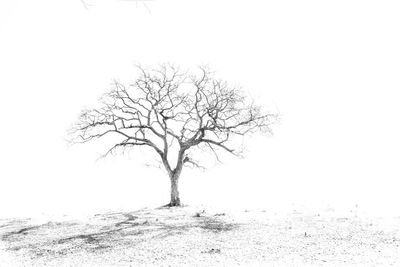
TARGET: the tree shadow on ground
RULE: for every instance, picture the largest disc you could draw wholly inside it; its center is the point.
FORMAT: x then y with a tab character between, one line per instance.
106	231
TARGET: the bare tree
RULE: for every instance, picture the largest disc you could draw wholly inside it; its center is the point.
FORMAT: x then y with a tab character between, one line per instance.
173	112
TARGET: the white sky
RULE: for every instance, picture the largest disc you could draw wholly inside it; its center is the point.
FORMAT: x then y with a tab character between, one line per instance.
330	67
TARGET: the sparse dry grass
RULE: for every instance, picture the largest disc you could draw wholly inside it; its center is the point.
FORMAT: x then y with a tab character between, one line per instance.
194	237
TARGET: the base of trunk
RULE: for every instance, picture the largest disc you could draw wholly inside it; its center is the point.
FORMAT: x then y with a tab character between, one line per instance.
175	203
169	205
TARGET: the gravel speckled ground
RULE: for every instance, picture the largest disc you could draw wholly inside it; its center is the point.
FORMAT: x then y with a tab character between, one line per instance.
191	236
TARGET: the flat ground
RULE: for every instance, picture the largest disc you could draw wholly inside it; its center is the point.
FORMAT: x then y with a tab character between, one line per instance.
191	236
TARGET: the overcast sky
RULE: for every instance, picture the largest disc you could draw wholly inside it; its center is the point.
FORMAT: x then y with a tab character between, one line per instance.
331	68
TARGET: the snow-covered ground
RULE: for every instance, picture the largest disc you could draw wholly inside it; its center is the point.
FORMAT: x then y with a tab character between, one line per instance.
203	236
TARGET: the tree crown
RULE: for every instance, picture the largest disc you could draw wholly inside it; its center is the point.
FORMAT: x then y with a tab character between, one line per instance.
167	106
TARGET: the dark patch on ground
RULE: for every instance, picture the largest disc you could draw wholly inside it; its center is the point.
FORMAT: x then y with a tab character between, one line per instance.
129	220
217	225
22	231
212	251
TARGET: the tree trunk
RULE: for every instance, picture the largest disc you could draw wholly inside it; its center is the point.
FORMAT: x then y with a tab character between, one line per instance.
174	178
175	200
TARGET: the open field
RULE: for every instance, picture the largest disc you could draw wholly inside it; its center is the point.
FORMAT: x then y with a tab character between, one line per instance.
191	236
